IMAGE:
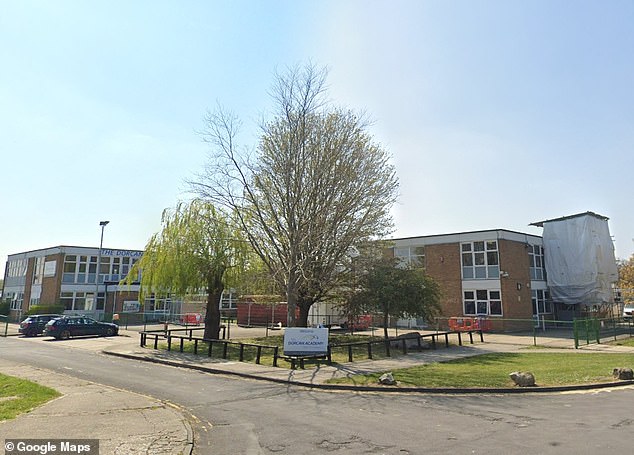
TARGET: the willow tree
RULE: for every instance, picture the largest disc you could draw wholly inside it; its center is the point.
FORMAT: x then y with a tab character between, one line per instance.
198	248
315	185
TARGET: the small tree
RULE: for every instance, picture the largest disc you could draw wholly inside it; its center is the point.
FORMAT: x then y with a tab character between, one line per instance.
393	290
626	279
198	248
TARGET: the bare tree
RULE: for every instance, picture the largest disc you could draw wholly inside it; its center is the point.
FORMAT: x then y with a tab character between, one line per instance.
315	185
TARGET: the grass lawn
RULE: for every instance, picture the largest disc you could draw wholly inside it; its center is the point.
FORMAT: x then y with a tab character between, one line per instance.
19	395
492	370
624	342
339	354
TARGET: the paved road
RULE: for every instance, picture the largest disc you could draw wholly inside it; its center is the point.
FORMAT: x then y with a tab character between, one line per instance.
237	416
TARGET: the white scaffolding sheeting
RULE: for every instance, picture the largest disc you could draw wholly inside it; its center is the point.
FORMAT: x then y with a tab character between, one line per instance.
579	259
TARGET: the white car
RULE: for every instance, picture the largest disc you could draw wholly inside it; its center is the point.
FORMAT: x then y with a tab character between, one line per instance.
628	311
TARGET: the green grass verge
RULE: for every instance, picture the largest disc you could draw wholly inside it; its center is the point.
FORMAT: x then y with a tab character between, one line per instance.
624	342
18	396
492	370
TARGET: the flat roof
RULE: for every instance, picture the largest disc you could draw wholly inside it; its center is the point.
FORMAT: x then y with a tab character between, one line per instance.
61	248
469	236
563	218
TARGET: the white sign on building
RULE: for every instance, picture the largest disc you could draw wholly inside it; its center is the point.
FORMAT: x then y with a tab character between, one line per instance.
131	306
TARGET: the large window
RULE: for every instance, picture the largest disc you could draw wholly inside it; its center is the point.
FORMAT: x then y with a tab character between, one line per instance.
70	269
77	301
536	256
80	269
157	304
38	273
541	302
480	260
17	268
104	268
482	302
16	299
83	269
411	255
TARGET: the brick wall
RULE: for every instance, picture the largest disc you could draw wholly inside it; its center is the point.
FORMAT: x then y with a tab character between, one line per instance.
516	292
52	285
442	263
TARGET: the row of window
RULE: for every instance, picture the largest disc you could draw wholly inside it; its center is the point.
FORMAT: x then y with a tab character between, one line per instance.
479	260
15	299
483	302
17	268
83	269
82	301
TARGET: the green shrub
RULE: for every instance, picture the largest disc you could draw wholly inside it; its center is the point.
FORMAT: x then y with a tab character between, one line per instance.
46	309
4	307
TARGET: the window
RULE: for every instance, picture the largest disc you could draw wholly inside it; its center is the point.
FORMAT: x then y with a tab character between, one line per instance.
77	301
101	301
15	299
92	269
104	268
157	304
536	257
66	299
482	302
70	269
38	272
480	260
17	268
541	302
412	255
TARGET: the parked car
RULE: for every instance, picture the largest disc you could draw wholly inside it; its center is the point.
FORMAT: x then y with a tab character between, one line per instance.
73	326
628	311
34	325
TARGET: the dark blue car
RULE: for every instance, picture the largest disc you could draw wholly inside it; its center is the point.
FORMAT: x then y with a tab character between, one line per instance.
35	324
74	326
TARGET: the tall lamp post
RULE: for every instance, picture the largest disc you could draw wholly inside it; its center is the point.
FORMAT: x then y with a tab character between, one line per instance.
103	224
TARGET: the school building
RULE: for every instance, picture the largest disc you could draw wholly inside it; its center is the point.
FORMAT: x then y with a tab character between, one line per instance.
570	271
493	273
67	275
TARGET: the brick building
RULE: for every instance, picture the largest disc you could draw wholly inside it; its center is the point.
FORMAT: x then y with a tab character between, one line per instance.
67	275
498	274
493	273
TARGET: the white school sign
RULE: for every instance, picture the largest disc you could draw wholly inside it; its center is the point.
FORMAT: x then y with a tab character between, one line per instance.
305	341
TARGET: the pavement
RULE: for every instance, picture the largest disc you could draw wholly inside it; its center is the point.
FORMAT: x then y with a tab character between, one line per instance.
130	423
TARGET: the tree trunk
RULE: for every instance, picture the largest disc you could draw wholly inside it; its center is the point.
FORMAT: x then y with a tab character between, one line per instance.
291	302
303	314
386	319
212	316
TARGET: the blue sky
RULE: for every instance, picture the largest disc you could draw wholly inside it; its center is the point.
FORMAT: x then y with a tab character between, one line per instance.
497	113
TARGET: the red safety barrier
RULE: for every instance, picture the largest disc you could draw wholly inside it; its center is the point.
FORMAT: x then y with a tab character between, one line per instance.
467	324
191	318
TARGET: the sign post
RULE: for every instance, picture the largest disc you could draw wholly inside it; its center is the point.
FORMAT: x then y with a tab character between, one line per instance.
301	341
